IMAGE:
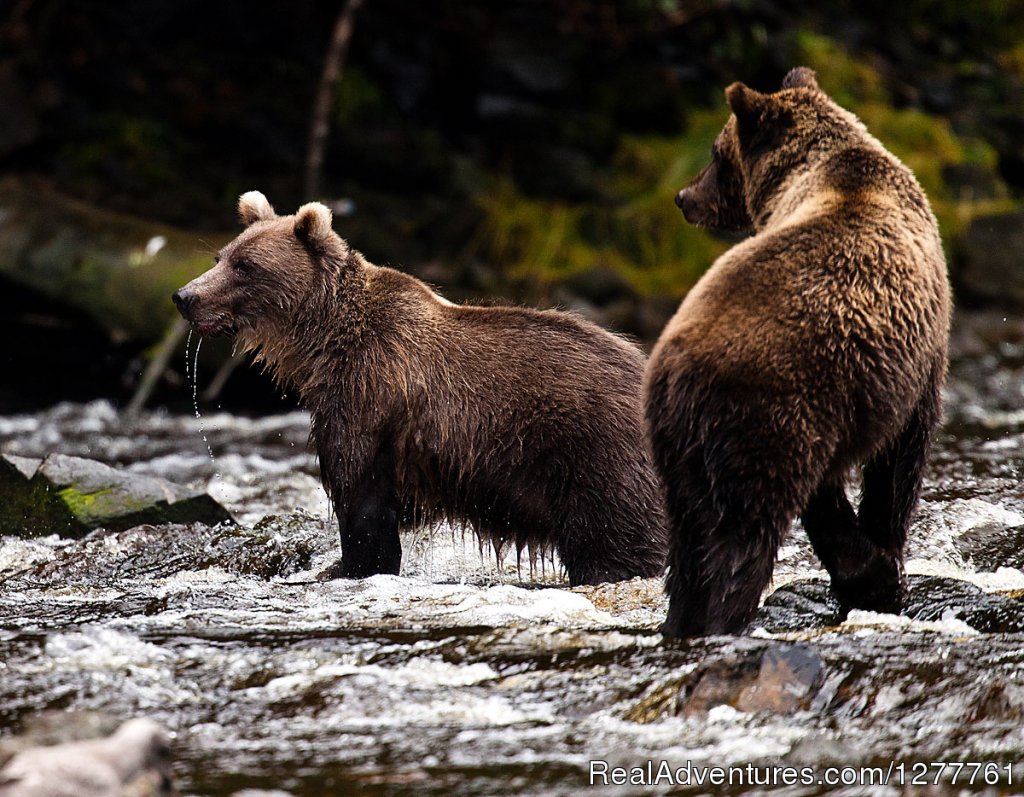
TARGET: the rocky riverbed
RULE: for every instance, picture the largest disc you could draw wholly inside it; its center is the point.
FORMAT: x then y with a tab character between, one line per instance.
474	676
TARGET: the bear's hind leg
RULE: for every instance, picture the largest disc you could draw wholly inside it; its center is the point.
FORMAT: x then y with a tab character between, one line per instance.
687	501
863	574
739	556
892	484
722	551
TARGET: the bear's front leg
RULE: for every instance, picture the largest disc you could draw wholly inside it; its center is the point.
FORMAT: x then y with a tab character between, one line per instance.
368	517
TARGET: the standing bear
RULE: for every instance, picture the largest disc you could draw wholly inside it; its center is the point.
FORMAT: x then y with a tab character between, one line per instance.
526	424
816	346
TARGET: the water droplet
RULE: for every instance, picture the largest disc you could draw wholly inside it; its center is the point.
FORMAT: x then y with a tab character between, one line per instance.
195	397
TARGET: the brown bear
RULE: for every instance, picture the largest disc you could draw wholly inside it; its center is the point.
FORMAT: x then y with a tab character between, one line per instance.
815	346
525	424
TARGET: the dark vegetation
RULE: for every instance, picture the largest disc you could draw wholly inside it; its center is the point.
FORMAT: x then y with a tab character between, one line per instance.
524	151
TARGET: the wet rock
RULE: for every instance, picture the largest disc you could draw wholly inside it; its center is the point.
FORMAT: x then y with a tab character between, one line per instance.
799	606
809	604
275	547
134	760
781	680
71	496
993	545
777	678
53	727
933	598
991	267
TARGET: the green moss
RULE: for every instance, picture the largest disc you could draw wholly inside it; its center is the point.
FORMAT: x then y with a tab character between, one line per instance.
103	506
81	504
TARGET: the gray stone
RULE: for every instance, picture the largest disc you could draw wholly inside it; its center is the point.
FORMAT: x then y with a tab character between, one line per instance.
71	496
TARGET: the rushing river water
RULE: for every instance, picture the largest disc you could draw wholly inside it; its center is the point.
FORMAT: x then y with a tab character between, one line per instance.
466	675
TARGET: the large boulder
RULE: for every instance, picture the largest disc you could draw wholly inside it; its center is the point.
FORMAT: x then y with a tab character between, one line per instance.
71	496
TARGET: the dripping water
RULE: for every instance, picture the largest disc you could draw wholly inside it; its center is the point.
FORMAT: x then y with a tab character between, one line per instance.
195	396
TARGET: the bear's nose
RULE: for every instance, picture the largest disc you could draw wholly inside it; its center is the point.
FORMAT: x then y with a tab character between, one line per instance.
183	300
680	198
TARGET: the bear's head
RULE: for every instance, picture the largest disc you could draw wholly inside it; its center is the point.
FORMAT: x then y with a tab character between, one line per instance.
265	276
766	139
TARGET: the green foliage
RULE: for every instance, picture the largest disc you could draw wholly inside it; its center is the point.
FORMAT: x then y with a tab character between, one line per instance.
926	143
845	79
638	231
635	227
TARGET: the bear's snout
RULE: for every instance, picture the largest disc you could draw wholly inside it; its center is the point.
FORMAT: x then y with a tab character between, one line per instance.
184	299
684	201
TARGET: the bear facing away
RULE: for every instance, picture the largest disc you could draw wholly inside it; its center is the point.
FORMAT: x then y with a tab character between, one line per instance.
813	347
526	424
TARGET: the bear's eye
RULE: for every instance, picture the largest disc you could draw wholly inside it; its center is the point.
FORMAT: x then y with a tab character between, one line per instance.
216	259
242	266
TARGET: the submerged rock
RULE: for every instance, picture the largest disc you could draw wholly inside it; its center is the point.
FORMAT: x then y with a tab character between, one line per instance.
71	496
799	605
776	678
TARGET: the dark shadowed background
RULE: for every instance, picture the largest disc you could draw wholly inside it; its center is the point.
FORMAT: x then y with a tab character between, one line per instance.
523	151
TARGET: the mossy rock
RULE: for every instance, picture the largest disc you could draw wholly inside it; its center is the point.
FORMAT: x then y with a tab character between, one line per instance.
119	270
71	496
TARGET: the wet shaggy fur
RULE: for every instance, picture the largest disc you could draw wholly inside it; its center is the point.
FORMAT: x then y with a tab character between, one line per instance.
812	348
525	424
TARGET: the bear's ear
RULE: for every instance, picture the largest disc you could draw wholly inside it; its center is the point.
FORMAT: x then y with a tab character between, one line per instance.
800	77
313	223
761	120
253	207
747	104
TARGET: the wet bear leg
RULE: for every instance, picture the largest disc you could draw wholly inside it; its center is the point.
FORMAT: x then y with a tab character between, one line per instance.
368	525
679	461
863	574
725	534
739	554
687	504
892	485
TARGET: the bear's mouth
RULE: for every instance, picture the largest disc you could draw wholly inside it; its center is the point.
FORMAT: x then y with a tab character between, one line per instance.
212	327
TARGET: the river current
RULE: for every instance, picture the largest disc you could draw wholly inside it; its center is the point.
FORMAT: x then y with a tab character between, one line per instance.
468	674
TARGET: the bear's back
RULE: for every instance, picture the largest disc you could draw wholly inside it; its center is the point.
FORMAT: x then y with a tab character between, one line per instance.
843	300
